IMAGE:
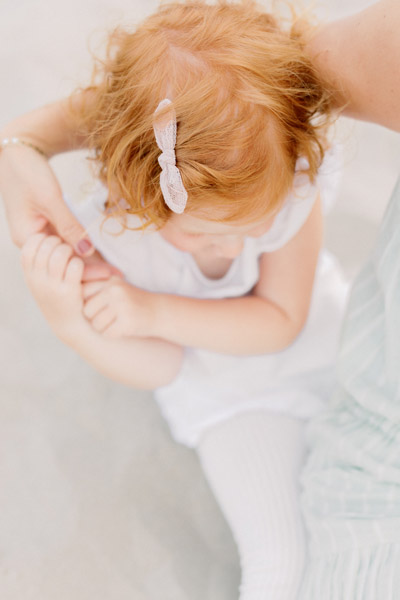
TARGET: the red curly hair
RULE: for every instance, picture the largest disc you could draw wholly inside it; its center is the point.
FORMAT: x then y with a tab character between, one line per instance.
247	100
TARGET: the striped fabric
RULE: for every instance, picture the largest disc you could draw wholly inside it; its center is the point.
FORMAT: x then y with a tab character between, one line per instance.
351	482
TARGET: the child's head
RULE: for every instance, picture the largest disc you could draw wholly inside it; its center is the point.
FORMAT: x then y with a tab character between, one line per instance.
245	97
210	238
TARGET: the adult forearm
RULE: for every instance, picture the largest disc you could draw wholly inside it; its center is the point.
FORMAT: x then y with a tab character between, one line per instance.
359	59
237	326
52	128
28	186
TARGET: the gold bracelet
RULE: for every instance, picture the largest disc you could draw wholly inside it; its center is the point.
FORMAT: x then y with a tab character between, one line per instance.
14	141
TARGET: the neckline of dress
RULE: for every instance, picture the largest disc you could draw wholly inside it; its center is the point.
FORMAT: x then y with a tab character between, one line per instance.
191	262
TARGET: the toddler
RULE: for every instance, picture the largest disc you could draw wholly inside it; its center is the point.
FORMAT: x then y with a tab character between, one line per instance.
209	127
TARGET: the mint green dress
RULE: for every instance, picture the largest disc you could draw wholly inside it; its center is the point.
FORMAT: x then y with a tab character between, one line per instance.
351	482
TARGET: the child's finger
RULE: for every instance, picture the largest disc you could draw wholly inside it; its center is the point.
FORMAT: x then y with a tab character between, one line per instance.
93	287
44	251
96	268
74	270
58	261
30	248
112	330
94	305
103	320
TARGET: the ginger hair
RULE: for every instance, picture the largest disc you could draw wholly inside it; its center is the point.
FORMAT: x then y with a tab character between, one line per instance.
247	100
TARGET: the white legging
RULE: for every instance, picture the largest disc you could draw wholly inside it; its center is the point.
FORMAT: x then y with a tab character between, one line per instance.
252	463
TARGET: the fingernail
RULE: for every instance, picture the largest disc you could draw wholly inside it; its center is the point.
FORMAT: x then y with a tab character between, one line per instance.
84	246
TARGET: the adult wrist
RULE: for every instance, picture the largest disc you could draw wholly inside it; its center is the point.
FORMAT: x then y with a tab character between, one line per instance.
12	141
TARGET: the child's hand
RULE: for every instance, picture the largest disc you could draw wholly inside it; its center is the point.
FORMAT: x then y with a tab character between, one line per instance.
97	268
54	276
117	309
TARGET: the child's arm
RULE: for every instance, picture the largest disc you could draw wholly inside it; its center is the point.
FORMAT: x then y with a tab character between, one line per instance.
266	321
54	277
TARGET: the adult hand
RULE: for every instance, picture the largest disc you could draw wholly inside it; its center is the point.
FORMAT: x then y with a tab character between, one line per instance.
33	200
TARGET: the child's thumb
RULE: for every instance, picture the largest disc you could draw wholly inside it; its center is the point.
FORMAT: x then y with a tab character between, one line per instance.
70	230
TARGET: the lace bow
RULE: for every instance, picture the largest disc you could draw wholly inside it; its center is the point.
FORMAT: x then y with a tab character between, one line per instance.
172	188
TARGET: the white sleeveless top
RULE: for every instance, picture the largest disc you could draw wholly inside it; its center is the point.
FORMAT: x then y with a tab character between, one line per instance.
210	386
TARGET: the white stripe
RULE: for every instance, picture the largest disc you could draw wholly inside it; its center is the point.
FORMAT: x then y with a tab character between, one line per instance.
348	348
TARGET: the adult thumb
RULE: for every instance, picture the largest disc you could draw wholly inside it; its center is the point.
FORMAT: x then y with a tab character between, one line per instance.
69	229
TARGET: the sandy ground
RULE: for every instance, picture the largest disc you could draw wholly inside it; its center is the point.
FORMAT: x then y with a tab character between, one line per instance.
96	500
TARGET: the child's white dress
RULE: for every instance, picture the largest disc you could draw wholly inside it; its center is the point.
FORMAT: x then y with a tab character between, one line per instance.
244	415
212	387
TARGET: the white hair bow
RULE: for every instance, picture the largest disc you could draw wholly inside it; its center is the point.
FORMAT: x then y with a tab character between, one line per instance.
172	188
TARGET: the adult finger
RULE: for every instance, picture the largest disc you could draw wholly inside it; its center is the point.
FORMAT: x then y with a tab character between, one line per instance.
69	228
26	226
30	248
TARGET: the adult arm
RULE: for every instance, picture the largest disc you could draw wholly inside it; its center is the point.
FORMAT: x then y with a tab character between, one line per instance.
359	59
30	191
